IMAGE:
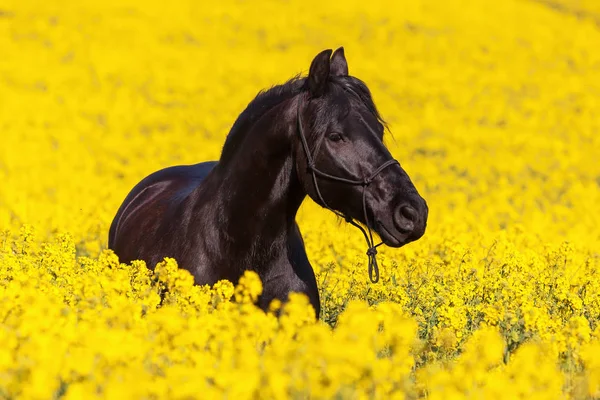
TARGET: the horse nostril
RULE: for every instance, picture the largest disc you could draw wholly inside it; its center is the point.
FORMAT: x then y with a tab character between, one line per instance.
405	218
408	212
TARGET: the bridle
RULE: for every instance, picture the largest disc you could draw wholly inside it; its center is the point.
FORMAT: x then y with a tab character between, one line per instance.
372	250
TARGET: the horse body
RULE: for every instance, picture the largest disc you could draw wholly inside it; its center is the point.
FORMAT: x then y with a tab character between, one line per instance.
215	231
168	193
218	219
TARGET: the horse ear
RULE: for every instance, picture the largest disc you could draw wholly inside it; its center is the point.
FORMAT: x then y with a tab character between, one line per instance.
339	65
319	73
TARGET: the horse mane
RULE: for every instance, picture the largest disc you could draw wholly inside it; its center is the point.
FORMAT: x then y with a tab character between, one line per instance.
268	98
263	102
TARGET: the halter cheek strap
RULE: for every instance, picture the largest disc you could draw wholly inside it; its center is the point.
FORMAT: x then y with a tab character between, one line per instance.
372	247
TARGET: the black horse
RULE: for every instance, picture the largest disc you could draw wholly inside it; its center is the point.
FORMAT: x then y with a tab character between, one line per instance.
320	136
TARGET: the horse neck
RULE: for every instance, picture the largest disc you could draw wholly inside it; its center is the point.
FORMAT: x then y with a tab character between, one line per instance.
259	193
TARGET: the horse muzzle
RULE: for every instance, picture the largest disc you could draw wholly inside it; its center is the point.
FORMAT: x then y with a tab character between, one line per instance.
406	223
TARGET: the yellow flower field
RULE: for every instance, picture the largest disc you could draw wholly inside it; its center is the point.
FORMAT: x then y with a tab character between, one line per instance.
494	112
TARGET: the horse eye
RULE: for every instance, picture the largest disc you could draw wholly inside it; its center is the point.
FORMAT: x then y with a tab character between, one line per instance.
335	137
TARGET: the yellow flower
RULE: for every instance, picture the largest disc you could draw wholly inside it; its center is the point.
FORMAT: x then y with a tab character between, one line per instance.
249	288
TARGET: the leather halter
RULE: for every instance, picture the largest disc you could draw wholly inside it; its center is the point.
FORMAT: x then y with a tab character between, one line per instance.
372	247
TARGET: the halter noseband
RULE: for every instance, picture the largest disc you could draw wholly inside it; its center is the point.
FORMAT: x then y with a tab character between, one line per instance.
372	250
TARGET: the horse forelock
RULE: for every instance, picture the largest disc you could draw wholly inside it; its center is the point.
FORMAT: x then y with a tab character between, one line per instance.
357	88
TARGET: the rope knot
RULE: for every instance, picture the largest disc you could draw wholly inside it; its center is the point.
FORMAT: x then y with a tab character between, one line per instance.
367	181
372	252
311	166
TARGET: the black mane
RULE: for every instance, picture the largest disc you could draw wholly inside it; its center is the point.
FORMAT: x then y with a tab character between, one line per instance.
263	102
269	98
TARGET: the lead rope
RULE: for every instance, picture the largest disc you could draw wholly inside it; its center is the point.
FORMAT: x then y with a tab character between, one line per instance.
372	247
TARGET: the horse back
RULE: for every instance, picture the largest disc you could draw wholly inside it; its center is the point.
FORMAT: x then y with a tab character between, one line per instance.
170	185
